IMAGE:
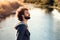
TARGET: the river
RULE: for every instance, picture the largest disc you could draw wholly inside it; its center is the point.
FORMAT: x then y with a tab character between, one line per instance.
42	26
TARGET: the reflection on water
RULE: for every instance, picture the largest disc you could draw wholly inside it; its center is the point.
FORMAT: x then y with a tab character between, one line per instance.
56	24
42	26
7	31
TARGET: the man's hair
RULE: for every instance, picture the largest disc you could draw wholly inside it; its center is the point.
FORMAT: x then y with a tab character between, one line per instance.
20	13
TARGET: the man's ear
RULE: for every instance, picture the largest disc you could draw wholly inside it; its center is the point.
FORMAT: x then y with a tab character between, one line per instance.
23	16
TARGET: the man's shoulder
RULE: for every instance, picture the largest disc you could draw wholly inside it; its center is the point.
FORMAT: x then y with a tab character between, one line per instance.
20	26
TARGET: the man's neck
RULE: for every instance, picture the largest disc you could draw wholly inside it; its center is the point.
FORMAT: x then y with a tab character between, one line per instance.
25	21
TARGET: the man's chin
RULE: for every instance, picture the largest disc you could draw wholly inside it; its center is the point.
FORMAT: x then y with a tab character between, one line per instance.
27	18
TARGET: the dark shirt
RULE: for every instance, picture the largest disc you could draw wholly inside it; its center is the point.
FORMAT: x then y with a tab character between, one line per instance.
22	31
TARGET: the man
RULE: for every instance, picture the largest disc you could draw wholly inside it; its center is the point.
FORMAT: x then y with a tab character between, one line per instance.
22	29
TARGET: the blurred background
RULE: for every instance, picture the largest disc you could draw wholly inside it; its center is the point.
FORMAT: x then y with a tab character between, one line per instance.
43	25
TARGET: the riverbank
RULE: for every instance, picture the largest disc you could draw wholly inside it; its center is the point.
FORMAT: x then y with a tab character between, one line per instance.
55	4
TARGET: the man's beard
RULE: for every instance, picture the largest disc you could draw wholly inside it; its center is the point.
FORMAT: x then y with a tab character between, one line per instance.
27	17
